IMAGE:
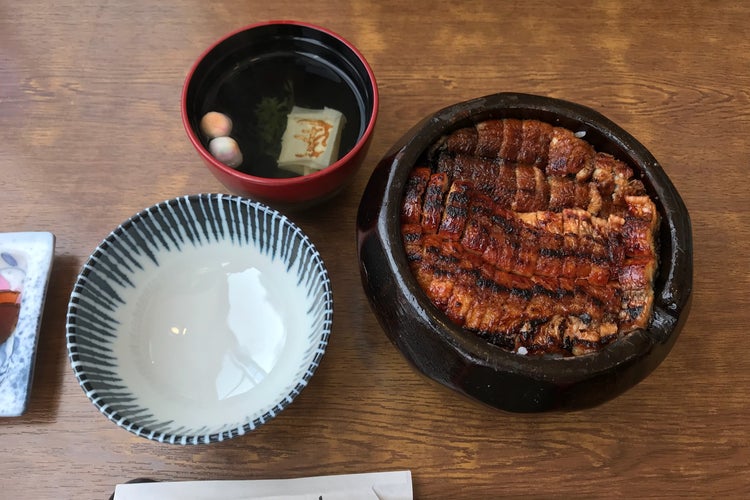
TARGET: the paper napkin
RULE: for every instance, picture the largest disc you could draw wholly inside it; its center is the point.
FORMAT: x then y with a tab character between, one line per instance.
377	486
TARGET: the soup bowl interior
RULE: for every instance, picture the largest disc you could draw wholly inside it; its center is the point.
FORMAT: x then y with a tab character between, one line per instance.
254	76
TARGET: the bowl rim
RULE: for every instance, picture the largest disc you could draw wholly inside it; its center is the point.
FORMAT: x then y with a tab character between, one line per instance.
668	302
277	220
268	182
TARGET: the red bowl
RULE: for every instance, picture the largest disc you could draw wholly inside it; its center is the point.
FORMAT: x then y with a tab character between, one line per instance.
261	61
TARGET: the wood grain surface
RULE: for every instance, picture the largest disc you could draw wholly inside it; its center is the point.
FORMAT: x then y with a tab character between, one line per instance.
91	134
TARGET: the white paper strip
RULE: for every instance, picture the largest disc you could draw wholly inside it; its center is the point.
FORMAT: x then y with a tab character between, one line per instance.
377	486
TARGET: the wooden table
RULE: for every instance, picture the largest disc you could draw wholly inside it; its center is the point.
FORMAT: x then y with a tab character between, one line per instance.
91	134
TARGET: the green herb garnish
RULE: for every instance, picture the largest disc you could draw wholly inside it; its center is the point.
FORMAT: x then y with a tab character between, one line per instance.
271	115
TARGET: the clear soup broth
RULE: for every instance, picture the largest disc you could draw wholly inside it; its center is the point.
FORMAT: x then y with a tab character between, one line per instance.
258	95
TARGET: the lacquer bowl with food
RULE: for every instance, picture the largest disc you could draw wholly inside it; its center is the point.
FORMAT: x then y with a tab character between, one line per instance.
526	252
281	111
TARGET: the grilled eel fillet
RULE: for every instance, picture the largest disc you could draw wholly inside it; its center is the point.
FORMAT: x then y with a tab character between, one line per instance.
497	246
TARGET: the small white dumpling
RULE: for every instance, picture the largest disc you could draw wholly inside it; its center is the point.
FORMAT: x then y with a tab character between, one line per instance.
226	150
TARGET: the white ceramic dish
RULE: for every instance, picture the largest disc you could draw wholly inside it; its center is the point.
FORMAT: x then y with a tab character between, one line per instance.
199	319
25	265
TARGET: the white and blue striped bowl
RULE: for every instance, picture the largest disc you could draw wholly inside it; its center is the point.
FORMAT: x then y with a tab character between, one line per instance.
199	319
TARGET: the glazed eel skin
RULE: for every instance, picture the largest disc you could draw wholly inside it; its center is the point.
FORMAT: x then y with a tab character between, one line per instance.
522	233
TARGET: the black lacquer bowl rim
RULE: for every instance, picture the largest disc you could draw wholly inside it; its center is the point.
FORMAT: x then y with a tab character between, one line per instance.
378	226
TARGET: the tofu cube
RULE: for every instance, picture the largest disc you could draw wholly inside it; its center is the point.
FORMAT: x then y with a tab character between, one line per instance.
311	140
